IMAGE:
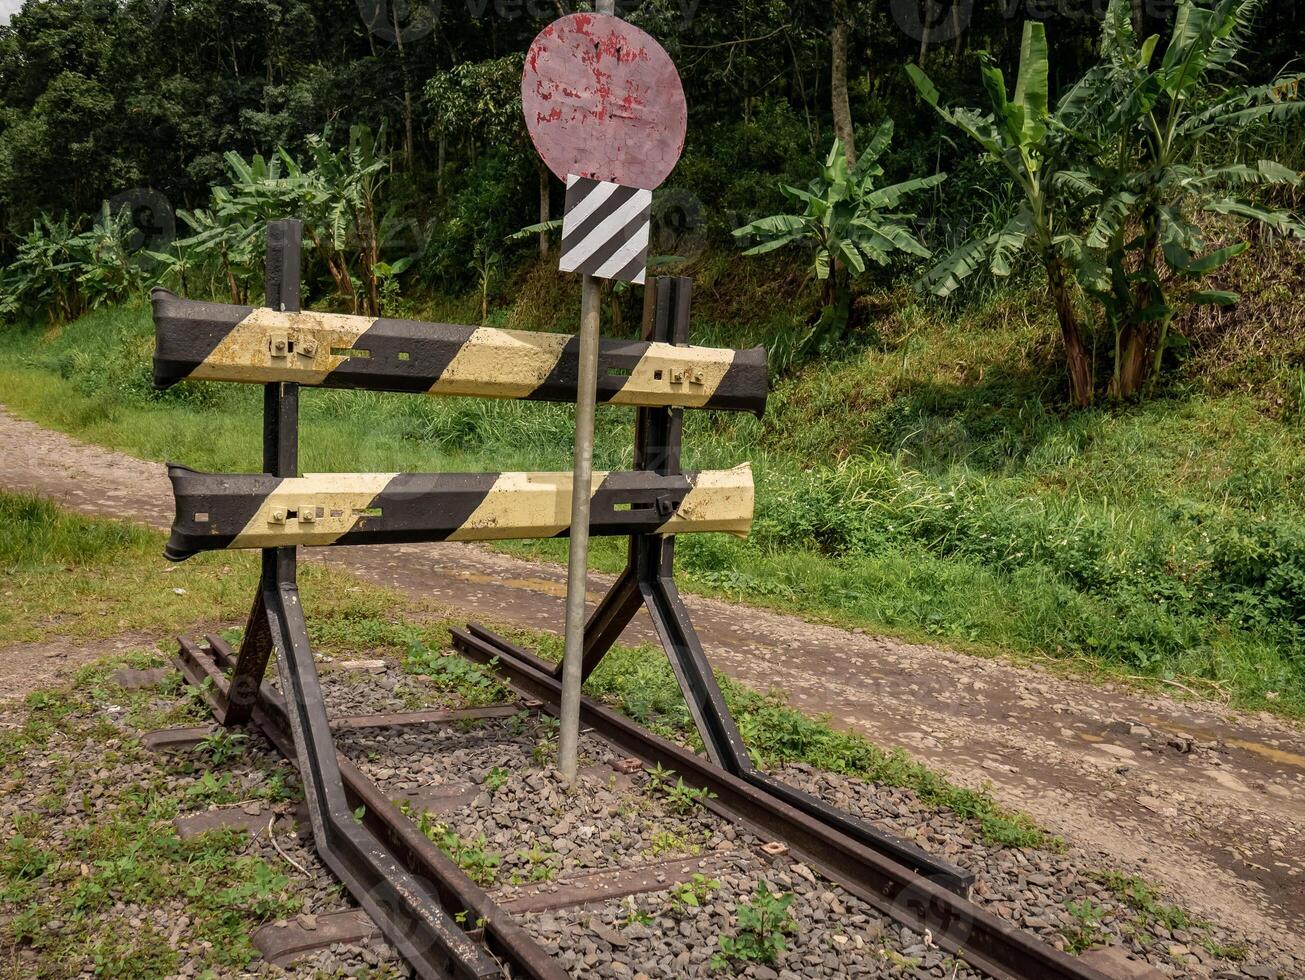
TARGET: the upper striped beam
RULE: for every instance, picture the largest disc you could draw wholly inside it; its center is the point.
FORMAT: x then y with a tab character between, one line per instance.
217	342
220	511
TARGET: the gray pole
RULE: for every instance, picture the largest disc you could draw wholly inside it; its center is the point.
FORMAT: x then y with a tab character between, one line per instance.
577	579
578	561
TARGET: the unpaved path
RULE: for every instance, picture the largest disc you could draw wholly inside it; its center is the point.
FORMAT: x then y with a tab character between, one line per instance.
1209	802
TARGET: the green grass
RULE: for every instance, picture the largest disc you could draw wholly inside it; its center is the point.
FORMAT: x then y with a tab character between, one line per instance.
70	899
925	484
84	579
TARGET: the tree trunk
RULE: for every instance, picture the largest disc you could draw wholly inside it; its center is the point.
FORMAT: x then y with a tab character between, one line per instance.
409	151
838	83
1135	354
1139	19
1076	354
1135	351
439	166
926	30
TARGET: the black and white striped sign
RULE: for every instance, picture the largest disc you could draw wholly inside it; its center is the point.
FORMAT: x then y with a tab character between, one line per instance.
606	229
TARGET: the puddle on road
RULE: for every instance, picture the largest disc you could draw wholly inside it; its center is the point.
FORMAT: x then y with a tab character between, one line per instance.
539	585
1281	756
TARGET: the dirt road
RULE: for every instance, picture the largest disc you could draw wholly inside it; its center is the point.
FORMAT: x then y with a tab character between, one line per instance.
1199	798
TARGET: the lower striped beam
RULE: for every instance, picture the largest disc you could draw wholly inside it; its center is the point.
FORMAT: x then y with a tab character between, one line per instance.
217	342
218	511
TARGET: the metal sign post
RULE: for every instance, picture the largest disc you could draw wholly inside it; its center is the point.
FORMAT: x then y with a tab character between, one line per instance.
605	108
577	577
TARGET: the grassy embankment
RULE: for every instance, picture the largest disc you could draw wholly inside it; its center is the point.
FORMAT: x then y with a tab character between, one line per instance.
925	483
77	894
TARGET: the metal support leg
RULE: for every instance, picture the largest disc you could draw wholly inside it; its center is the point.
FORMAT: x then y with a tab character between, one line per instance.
649	580
407	913
281	458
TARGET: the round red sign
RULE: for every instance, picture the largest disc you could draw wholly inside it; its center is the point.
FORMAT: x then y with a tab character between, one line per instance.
603	100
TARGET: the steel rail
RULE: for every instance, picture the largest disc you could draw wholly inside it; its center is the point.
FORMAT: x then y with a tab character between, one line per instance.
982	939
416	856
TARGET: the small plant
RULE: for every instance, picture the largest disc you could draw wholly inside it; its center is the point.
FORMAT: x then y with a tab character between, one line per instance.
263	894
658	777
684	799
360	814
276	790
692	894
1085	931
543	753
899	960
22	859
480	865
496	779
539	863
476	684
669	842
1145	900
635	915
763	923
222	746
212	789
1236	952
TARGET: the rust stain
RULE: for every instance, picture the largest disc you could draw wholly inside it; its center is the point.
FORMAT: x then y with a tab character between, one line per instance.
603	99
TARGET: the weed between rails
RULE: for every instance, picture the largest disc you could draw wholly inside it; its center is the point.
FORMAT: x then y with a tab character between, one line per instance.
639	681
80	892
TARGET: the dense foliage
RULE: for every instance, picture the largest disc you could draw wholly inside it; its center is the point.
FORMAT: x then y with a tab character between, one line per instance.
1112	184
102	97
847	222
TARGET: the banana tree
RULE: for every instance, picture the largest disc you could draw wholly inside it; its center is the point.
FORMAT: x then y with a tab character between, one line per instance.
1021	135
43	275
1157	171
1114	181
225	237
848	221
109	272
341	200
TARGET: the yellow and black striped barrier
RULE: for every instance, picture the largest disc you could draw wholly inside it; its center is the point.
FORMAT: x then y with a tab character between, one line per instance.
218	342
218	511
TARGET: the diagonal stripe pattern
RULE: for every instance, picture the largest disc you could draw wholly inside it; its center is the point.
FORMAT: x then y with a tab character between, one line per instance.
606	230
217	342
217	511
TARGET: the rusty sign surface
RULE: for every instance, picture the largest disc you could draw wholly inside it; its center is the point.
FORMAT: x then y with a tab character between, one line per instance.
603	100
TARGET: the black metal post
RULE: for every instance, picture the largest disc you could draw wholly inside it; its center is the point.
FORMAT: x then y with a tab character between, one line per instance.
408	910
280	458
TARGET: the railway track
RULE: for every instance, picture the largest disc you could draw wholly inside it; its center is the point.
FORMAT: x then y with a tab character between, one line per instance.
496	941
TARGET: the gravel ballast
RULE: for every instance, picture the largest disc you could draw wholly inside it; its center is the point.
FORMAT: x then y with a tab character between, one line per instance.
518	830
